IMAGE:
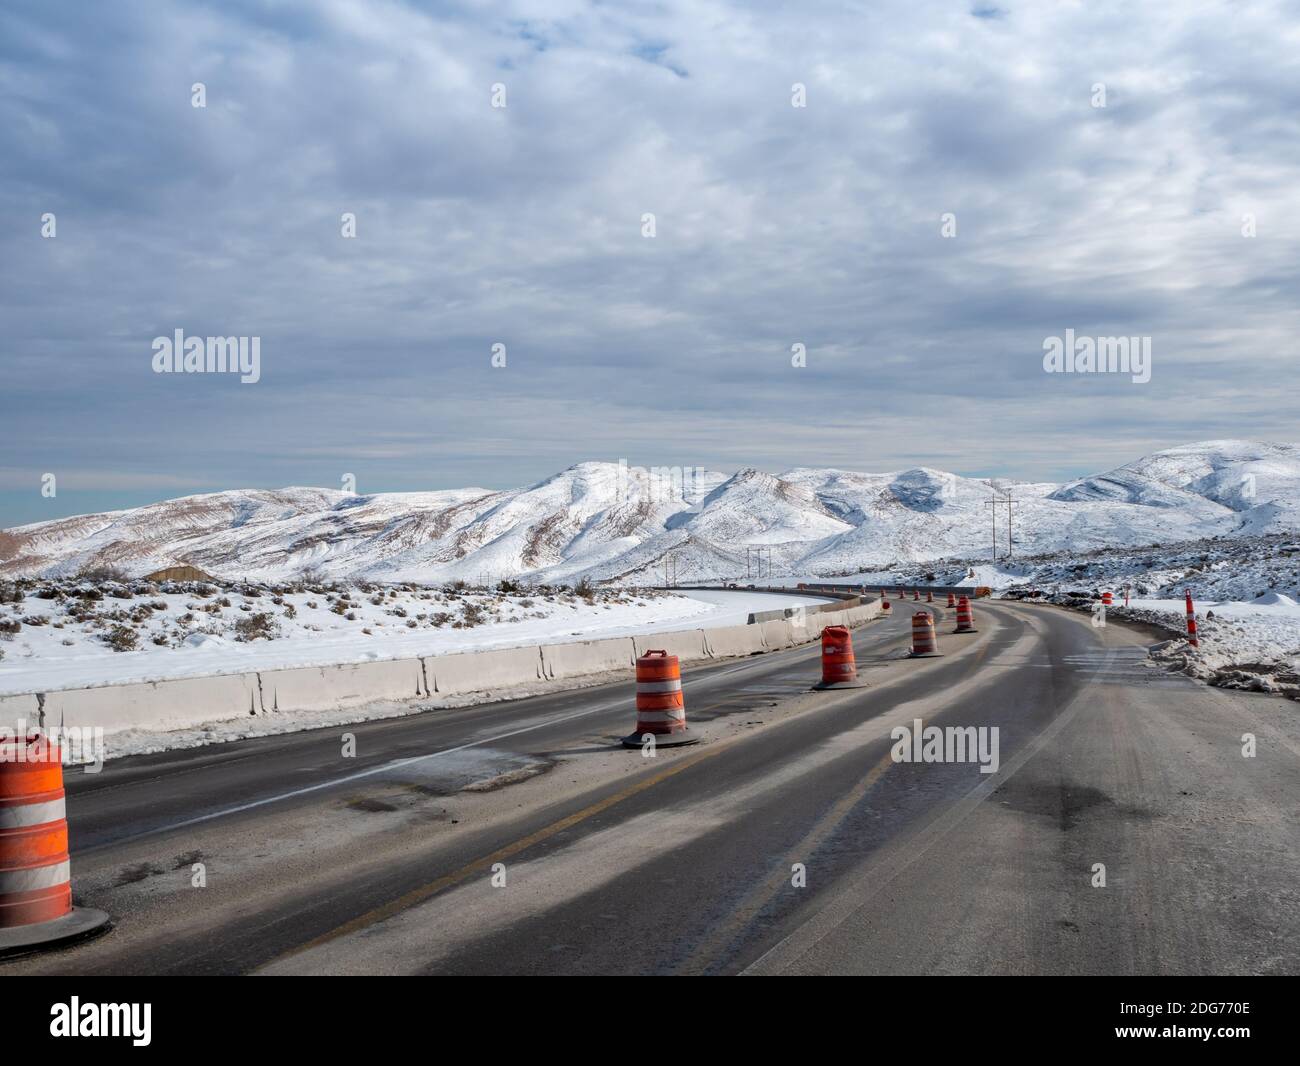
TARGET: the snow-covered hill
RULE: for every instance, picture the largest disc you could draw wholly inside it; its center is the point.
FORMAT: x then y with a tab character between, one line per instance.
609	522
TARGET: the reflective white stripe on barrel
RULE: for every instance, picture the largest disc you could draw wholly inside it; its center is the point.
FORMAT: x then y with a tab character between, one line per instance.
659	686
28	814
678	715
37	877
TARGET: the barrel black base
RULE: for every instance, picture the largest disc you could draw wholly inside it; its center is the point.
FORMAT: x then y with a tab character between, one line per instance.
81	923
663	740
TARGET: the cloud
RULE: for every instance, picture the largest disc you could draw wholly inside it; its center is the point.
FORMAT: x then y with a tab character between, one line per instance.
523	225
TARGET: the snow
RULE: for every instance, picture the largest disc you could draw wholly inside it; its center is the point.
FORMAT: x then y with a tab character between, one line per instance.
1250	584
1261	631
1219	517
1270	610
37	659
1253	645
612	523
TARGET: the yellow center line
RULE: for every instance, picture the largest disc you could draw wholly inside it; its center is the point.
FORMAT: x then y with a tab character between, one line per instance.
427	891
432	888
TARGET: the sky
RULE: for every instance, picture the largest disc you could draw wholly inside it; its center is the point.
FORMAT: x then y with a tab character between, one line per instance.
950	193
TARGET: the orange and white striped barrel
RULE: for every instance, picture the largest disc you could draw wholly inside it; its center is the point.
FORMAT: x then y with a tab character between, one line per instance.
885	605
838	664
929	596
1108	598
660	706
915	594
35	870
923	639
1191	622
965	617
952	601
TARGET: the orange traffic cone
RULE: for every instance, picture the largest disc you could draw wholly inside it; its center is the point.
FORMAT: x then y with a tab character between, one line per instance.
951	601
1191	622
929	596
36	908
965	617
839	669
660	706
915	594
924	644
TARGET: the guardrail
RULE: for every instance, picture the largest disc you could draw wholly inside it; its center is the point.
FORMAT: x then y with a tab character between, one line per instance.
849	598
976	591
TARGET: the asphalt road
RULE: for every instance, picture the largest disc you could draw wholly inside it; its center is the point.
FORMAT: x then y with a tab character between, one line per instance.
518	838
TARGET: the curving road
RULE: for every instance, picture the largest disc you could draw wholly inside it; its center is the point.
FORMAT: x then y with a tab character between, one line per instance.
518	838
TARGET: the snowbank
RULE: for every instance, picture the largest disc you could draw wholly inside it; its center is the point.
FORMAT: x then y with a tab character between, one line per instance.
1254	646
52	650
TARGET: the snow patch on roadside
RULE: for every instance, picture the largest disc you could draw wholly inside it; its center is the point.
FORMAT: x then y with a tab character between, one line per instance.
63	641
1252	646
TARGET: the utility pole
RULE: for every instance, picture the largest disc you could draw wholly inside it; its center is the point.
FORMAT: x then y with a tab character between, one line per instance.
993	503
1010	504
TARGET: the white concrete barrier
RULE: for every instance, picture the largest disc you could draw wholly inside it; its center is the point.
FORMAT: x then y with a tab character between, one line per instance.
688	645
481	671
818	622
728	641
177	704
15	709
316	688
191	701
863	613
777	635
588	657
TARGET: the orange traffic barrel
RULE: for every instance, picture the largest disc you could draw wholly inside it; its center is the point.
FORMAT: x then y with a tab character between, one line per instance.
839	669
924	643
952	602
35	869
1107	598
929	596
965	617
660	705
915	594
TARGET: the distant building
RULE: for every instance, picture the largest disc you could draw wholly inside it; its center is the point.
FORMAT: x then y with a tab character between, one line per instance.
178	573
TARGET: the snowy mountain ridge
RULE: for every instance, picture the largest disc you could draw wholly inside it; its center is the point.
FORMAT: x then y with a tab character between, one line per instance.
612	522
